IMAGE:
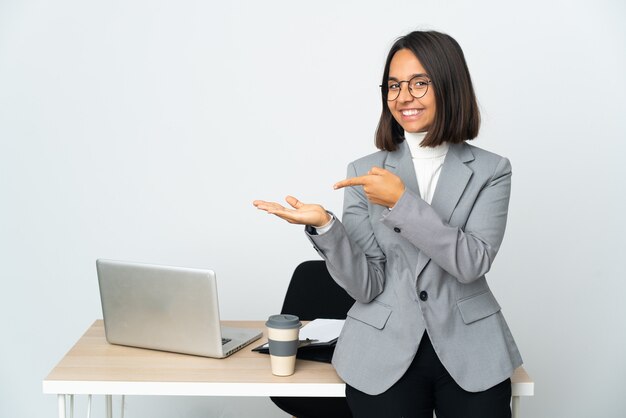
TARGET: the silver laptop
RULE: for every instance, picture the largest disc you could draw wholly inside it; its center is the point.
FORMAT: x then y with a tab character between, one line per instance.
166	308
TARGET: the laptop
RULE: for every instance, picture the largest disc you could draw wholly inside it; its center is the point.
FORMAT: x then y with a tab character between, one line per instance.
166	308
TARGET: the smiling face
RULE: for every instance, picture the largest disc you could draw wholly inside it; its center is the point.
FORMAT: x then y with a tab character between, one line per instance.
414	115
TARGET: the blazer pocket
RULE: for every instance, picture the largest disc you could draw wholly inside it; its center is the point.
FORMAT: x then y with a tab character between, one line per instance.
373	313
478	307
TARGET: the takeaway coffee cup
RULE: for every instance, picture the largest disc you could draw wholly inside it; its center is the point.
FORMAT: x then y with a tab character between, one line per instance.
283	332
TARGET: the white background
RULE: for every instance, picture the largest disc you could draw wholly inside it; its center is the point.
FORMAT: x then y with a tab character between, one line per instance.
143	130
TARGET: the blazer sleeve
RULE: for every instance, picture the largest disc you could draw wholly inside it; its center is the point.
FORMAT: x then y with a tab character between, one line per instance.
466	253
352	254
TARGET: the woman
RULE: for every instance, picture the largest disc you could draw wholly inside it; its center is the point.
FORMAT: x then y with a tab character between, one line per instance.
423	220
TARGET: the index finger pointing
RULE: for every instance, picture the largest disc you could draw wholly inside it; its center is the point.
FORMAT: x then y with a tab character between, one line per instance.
377	170
354	181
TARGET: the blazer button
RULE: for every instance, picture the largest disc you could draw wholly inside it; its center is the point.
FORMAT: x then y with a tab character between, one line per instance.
424	295
396	229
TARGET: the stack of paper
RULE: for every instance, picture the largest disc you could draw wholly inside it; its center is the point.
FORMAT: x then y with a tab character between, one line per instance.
319	332
322	331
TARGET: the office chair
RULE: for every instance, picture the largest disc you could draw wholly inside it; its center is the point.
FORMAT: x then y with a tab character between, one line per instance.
312	293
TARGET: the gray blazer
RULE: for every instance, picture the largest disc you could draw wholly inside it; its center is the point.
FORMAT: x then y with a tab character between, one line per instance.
387	259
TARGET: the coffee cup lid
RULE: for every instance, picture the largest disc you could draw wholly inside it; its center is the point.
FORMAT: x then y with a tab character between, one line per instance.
283	321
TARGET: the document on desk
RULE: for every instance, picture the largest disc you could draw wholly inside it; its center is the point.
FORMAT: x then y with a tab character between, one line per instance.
322	331
319	332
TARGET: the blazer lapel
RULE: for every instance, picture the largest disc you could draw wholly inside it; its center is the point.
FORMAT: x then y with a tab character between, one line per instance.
400	163
455	175
451	184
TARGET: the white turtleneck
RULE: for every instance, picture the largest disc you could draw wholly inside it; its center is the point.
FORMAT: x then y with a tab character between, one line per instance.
427	162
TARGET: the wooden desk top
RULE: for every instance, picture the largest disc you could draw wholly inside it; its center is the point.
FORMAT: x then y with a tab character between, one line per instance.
94	366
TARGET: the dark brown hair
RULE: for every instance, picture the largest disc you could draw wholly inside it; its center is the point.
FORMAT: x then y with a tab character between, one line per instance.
457	117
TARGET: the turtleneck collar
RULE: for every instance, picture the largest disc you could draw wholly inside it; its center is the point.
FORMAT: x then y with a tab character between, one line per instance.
413	140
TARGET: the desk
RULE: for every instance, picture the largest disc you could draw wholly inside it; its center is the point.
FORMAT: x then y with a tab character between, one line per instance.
95	367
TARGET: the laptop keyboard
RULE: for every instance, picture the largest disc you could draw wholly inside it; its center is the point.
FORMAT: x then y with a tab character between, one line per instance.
226	340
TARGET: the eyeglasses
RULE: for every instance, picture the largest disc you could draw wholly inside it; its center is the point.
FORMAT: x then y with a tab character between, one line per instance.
418	87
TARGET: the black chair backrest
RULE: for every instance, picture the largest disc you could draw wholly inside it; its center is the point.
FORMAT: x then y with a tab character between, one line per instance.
312	293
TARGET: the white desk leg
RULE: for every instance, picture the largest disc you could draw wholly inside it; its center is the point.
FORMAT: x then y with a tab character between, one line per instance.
71	406
89	406
109	405
515	402
61	403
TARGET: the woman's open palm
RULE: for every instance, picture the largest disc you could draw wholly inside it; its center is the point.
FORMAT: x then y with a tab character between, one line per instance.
302	213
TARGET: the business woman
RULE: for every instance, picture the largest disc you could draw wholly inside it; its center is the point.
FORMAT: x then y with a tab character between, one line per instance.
423	220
